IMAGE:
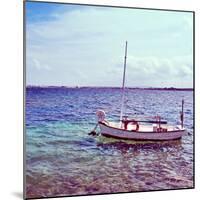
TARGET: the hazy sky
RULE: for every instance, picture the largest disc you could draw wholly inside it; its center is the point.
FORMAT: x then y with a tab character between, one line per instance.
84	45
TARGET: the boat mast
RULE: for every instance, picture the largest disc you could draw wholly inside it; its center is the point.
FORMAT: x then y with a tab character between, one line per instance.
123	84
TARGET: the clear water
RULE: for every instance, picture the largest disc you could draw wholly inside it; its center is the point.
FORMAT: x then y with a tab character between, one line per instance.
63	160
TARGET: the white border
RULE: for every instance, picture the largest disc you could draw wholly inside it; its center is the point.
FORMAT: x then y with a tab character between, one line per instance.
11	101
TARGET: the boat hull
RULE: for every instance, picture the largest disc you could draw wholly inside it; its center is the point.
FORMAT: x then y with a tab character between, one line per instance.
118	133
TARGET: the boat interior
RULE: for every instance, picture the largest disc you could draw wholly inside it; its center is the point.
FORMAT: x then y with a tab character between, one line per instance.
145	127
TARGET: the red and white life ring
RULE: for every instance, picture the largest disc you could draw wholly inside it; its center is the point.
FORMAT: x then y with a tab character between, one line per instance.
134	122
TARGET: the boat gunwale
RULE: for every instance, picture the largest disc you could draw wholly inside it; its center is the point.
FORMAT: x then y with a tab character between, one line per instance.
145	132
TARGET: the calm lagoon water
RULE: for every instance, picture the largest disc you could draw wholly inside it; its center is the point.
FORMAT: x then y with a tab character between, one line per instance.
62	159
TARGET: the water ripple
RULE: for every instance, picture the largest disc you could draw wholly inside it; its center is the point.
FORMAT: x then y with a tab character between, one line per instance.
63	160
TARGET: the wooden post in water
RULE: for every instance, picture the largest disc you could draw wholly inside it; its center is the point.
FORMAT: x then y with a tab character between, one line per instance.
182	115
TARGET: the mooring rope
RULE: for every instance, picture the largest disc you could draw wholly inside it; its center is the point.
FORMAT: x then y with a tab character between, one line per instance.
93	132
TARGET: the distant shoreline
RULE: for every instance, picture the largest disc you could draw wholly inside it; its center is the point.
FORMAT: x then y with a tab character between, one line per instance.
103	87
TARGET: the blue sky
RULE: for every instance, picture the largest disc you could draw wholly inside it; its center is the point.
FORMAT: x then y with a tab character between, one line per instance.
84	45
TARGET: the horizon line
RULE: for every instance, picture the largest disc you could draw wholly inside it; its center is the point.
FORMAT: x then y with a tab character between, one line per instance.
117	87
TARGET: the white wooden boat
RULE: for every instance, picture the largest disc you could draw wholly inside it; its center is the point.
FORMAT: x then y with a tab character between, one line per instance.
145	132
132	129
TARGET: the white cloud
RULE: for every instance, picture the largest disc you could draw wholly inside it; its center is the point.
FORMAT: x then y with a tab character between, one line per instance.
155	71
39	66
86	47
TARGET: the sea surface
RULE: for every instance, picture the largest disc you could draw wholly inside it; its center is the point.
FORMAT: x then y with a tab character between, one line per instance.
63	160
